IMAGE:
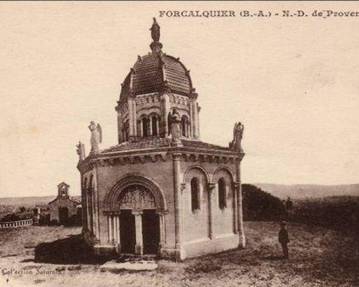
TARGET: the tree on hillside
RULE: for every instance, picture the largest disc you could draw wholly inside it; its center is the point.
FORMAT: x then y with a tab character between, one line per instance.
288	204
259	205
339	212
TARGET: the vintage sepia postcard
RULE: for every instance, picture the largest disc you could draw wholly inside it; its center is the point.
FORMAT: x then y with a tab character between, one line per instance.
209	143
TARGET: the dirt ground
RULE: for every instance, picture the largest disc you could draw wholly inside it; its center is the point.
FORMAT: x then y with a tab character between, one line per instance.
318	257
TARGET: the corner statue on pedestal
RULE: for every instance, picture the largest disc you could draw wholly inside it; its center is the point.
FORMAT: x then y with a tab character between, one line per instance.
81	151
96	136
236	143
175	122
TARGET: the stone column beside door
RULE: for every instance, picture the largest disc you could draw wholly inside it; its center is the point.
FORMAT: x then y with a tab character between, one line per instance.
161	218
211	187
110	234
178	205
118	244
235	188
139	236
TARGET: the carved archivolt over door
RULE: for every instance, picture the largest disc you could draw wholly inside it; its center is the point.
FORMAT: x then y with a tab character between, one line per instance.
137	197
135	191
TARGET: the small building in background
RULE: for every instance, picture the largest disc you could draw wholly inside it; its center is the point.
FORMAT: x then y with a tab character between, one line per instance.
41	214
63	209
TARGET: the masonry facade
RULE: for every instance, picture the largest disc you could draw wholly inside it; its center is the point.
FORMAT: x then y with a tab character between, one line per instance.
63	209
161	190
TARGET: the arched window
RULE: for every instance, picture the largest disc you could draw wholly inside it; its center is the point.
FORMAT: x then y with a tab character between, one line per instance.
184	126
90	201
83	196
125	130
169	122
145	127
195	194
139	126
84	187
222	198
154	125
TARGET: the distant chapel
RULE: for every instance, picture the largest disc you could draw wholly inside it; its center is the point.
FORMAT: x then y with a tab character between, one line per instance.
161	190
64	209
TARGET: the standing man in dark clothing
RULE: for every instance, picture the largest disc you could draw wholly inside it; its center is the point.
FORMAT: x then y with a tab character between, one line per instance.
283	239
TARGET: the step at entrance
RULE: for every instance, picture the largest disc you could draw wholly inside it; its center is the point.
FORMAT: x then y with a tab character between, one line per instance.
135	258
131	263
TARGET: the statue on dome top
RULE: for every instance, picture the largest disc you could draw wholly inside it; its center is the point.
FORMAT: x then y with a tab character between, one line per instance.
155	31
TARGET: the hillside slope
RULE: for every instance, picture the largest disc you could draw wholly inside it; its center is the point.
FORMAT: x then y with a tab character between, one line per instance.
300	191
29	201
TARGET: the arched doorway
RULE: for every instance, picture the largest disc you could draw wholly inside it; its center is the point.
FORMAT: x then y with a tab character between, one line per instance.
127	231
139	221
150	231
135	217
63	215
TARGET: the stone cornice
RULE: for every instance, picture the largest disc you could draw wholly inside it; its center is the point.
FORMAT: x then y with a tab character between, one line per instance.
173	149
187	154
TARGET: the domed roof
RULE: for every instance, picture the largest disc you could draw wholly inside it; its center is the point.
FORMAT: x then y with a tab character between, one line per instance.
156	72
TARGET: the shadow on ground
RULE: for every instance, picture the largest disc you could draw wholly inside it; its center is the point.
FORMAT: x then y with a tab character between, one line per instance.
71	250
271	257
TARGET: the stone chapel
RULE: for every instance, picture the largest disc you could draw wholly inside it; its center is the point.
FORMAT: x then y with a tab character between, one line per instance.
64	209
161	190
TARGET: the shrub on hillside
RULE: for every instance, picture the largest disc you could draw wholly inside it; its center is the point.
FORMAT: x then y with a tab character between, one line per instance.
10	217
341	212
16	216
259	205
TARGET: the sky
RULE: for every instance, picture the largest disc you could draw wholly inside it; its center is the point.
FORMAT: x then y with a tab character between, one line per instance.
293	83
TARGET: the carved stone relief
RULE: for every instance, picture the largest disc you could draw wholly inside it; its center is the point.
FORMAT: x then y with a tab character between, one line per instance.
137	197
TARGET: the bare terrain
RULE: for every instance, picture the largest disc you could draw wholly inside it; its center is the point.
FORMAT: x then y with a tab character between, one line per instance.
318	257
